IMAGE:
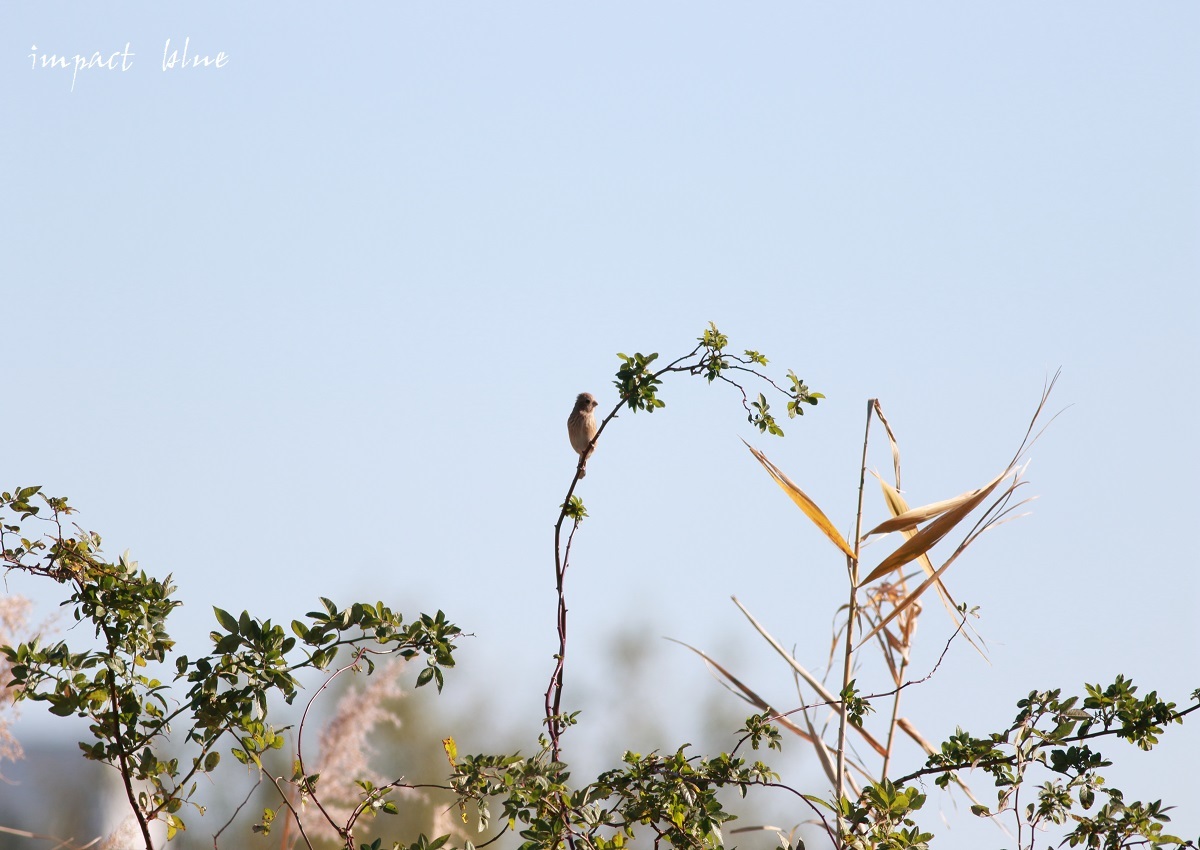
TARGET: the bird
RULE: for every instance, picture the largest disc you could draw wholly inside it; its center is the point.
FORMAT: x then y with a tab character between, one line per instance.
581	428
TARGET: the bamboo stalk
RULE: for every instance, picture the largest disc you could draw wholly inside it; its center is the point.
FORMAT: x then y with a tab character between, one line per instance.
851	613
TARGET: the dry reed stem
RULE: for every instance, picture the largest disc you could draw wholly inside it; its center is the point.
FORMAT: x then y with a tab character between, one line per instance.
895	644
808	677
746	693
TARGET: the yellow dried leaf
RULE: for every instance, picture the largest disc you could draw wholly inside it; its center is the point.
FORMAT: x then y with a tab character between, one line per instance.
897	506
747	694
907	601
910	518
807	505
925	539
891	439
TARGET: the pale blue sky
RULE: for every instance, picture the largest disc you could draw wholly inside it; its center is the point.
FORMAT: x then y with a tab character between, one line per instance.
311	323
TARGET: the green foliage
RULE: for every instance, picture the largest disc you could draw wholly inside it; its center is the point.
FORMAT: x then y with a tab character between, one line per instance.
673	796
574	510
127	683
1137	721
800	395
637	385
759	728
226	701
1051	734
714	363
856	707
880	819
424	843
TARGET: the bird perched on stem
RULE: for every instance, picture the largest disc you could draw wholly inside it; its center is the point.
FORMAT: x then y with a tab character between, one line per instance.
581	428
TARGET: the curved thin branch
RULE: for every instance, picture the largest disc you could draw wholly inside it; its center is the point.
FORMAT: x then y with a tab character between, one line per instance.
1103	733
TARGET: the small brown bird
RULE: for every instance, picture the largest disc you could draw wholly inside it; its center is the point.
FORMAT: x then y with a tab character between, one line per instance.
581	428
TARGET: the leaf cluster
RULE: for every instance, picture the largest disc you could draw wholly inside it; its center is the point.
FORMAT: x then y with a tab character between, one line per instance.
1055	736
673	796
637	384
881	818
225	698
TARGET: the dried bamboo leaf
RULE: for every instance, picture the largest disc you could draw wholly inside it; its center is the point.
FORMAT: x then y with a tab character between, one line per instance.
911	598
891	439
907	727
900	650
785	838
747	693
823	754
807	505
808	677
897	505
913	517
1030	437
850	762
812	680
894	643
925	539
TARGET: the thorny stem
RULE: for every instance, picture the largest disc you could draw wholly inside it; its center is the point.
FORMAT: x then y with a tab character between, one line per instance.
291	808
553	697
236	812
1017	788
808	802
122	754
344	832
554	721
124	759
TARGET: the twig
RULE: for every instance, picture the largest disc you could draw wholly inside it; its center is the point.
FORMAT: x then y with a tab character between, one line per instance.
300	746
63	843
949	768
122	755
236	811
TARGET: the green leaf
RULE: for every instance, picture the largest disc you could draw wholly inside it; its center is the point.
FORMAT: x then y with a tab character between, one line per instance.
228	622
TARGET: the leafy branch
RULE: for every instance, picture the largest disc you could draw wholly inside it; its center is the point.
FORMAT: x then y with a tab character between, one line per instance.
227	693
638	384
